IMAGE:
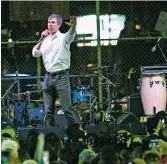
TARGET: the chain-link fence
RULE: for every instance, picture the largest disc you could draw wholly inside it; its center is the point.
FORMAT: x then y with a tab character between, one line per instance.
20	31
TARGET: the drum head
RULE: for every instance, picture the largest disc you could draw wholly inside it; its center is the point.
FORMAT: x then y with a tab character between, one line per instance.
151	74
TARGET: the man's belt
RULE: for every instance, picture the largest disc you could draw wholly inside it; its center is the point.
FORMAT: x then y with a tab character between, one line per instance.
58	72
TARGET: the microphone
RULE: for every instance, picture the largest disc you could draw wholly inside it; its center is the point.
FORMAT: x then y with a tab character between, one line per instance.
41	39
154	48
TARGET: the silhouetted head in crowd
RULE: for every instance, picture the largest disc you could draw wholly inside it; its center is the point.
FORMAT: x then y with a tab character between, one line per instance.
138	161
86	155
153	122
124	156
58	162
92	140
53	144
134	142
31	142
74	132
23	155
152	157
53	149
30	161
51	138
71	152
108	154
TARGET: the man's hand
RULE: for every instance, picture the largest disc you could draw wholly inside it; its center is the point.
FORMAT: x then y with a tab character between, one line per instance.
45	33
73	22
159	127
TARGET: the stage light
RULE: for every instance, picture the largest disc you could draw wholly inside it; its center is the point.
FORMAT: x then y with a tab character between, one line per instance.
95	72
138	27
37	33
90	65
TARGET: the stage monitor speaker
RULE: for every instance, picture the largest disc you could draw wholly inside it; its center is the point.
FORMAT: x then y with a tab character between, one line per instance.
23	132
136	127
96	129
135	105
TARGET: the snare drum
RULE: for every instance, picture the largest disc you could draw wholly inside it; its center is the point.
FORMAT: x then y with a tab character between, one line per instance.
153	92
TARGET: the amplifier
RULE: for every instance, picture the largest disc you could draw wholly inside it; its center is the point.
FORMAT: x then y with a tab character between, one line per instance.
135	105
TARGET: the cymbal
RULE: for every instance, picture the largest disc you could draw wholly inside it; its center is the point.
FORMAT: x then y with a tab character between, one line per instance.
36	100
33	85
99	67
14	75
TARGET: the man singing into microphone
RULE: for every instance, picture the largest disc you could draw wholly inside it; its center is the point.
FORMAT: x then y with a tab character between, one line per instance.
54	47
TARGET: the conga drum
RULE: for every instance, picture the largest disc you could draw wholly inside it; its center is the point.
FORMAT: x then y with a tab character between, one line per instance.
153	92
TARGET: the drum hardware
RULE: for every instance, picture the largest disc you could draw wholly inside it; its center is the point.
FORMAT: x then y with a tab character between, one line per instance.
163	83
156	82
153	69
108	82
108	92
36	101
151	84
34	112
33	85
28	111
98	67
16	74
6	95
91	109
108	117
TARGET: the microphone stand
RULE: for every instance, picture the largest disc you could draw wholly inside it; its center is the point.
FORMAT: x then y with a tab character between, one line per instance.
162	52
115	90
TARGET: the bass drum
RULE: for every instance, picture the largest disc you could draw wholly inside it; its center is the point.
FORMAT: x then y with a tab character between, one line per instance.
60	119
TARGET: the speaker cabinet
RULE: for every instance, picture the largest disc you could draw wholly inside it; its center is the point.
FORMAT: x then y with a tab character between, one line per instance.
96	129
135	105
23	132
136	127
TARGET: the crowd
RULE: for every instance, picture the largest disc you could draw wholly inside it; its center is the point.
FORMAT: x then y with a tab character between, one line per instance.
80	147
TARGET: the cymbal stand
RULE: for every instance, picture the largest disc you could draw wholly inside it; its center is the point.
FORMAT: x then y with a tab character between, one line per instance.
162	52
27	108
18	86
108	90
8	90
7	95
92	119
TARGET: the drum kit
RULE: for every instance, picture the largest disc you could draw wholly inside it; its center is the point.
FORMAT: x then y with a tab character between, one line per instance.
22	109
